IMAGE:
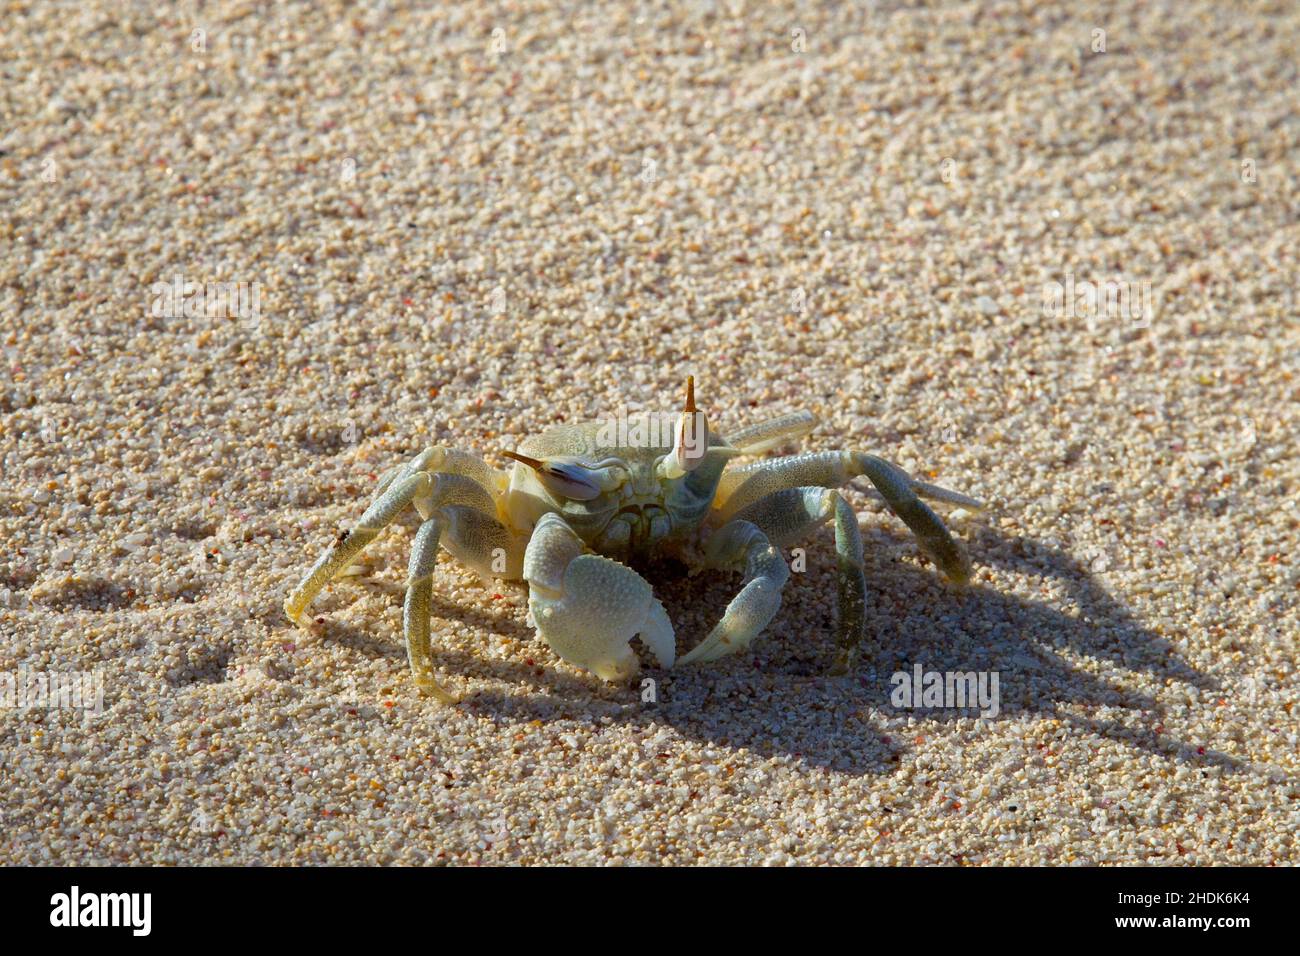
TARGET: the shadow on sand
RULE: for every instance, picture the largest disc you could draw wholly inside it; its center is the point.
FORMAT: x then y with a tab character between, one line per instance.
777	699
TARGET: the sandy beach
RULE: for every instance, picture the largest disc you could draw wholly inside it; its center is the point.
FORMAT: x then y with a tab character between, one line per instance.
255	256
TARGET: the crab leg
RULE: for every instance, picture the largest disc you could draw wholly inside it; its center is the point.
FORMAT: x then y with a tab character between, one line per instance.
897	487
589	607
446	489
466	506
852	585
448	461
333	562
740	545
482	543
477	540
415	609
762	436
787	516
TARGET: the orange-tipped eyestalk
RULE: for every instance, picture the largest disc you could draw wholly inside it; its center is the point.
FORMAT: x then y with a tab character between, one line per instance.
524	459
692	437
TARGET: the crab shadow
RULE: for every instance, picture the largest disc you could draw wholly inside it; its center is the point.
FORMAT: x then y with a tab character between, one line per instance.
777	700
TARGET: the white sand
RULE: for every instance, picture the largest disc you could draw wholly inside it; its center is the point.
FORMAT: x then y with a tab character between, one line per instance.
554	230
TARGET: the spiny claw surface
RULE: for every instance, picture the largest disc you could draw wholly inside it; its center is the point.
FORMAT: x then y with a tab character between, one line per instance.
604	605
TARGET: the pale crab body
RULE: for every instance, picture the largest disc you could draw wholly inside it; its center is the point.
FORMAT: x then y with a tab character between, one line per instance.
583	499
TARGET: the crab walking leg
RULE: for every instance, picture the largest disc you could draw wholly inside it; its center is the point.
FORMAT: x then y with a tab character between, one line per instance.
762	436
759	438
900	493
735	546
483	543
898	488
787	516
852	586
333	562
446	489
415	610
589	607
450	461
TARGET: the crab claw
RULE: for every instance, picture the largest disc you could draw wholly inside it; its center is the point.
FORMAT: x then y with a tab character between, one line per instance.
588	607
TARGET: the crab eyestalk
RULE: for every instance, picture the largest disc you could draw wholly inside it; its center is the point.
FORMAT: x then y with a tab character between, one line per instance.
690	438
571	478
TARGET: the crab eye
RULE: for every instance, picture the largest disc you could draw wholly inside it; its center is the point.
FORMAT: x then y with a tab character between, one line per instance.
569	480
563	477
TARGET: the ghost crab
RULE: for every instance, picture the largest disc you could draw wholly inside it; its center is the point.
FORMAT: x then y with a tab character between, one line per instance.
580	499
